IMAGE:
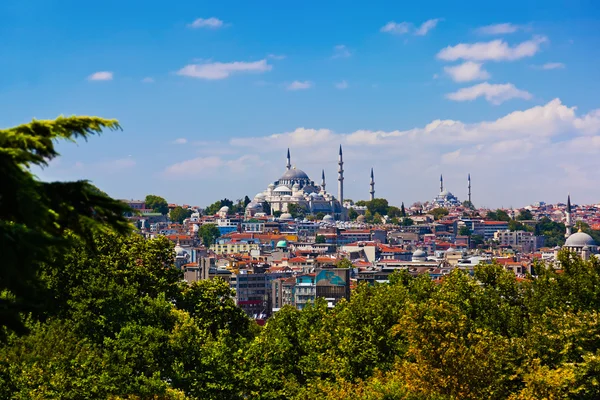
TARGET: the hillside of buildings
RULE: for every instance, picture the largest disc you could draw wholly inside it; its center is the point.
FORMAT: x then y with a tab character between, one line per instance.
101	298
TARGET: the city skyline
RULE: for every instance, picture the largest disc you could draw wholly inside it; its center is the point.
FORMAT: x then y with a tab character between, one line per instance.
210	96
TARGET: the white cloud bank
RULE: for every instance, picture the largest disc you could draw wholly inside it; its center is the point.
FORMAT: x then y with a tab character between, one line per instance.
210	23
467	71
498	29
494	93
219	70
101	76
496	50
402	28
299	85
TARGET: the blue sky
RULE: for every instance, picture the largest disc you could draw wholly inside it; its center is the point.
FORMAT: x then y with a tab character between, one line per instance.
210	94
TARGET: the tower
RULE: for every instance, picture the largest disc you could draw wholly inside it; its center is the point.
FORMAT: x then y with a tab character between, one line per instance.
372	184
469	187
288	165
323	181
568	222
341	177
441	183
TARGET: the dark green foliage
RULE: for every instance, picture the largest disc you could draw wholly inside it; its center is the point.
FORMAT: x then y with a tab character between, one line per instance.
179	214
157	203
320	239
438	213
553	231
34	215
216	206
208	233
464	231
498	215
296	210
525	215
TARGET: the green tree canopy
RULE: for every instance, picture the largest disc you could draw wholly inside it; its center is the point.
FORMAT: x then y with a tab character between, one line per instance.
296	210
208	233
344	263
157	203
438	213
352	214
35	214
179	214
498	215
394	211
464	231
525	215
320	239
378	206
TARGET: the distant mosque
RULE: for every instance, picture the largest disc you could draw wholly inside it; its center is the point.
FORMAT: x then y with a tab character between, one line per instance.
295	187
579	242
445	198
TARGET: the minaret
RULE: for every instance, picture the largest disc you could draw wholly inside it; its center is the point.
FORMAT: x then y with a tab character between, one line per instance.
469	186
289	160
372	191
323	181
441	183
568	222
341	177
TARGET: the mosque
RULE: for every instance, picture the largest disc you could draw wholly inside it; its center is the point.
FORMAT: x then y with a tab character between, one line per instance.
295	187
579	242
446	199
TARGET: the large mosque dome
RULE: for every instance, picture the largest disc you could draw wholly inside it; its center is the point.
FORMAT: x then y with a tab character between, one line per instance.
293	174
580	239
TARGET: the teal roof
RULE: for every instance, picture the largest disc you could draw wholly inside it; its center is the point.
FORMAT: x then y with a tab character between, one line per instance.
282	243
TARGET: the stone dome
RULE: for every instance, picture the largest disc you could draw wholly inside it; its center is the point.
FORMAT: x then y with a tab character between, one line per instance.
292	174
328	218
224	209
286	217
419	254
253	206
580	239
360	218
179	251
259	197
282	189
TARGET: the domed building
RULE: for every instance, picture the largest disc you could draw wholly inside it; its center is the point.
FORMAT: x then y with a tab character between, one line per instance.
579	242
295	187
445	198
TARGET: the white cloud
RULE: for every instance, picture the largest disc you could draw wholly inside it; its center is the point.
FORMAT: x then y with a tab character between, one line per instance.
402	28
550	65
211	23
498	29
341	51
396	28
180	141
427	26
496	50
207	165
299	85
218	70
148	80
494	93
467	71
341	85
101	76
276	56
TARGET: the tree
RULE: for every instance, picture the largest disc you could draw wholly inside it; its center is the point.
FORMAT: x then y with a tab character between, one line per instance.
515	225
208	233
179	214
393	211
296	210
344	263
320	239
277	213
468	205
525	215
403	210
216	206
378	206
464	231
352	214
553	231
477	240
498	215
320	216
438	213
266	208
395	221
407	221
377	218
157	203
34	214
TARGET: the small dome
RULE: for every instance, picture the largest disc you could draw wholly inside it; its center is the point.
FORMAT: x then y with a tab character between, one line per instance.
419	254
179	251
271	186
259	196
282	244
298	195
224	209
328	218
450	249
286	217
580	239
360	218
254	206
282	189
